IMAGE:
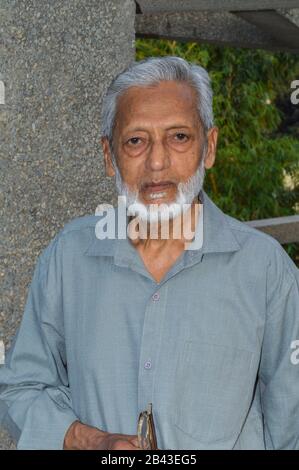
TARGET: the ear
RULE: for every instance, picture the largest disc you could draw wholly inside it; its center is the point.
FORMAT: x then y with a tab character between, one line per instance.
107	157
212	138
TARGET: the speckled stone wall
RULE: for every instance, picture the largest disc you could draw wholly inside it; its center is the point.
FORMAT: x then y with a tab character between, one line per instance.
56	59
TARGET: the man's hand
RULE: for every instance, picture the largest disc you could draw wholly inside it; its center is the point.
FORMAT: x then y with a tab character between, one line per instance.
82	437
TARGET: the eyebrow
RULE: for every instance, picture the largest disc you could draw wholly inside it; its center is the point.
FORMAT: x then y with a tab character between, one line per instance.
173	126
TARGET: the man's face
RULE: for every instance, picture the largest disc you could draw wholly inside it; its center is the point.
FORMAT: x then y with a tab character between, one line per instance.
158	141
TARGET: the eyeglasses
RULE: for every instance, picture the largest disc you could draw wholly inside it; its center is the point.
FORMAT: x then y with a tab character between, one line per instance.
146	430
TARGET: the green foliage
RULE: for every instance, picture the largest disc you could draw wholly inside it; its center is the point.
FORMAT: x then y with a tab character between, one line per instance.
253	157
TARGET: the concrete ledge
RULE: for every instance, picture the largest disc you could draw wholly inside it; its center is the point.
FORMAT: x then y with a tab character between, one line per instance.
272	25
283	229
206	27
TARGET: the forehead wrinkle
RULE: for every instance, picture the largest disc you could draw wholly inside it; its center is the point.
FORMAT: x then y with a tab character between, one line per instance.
147	117
171	91
144	105
146	127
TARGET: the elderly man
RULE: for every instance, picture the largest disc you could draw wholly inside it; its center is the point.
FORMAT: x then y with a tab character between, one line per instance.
202	328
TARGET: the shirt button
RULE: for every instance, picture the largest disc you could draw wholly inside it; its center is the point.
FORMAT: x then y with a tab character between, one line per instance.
156	296
147	365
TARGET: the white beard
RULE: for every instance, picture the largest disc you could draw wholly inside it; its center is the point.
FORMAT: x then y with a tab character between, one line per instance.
153	213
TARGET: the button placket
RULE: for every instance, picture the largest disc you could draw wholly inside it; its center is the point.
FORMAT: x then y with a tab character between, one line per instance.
150	345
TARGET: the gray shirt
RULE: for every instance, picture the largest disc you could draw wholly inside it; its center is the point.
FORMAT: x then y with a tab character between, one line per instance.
211	346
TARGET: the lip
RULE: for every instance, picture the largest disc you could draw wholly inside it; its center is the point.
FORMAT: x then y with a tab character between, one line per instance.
156	187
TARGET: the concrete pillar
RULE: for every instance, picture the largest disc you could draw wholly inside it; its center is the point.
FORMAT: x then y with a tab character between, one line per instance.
55	62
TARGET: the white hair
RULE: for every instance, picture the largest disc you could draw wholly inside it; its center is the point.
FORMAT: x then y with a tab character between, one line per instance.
151	71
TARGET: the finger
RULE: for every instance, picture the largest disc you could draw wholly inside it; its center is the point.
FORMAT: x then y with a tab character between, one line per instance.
135	442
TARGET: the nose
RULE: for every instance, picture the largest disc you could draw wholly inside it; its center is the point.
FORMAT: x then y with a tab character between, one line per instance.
158	156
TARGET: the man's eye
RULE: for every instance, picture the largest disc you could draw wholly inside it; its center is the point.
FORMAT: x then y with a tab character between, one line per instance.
181	137
134	140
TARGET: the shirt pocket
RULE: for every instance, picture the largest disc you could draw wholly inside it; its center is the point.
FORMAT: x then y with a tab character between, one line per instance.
214	386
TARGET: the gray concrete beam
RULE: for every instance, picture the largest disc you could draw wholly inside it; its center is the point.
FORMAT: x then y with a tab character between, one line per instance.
284	26
164	6
223	28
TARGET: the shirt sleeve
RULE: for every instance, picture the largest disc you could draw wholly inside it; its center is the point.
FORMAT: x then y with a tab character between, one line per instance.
279	368
35	398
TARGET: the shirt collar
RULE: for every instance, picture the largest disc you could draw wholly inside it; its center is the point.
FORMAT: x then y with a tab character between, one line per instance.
217	233
213	235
